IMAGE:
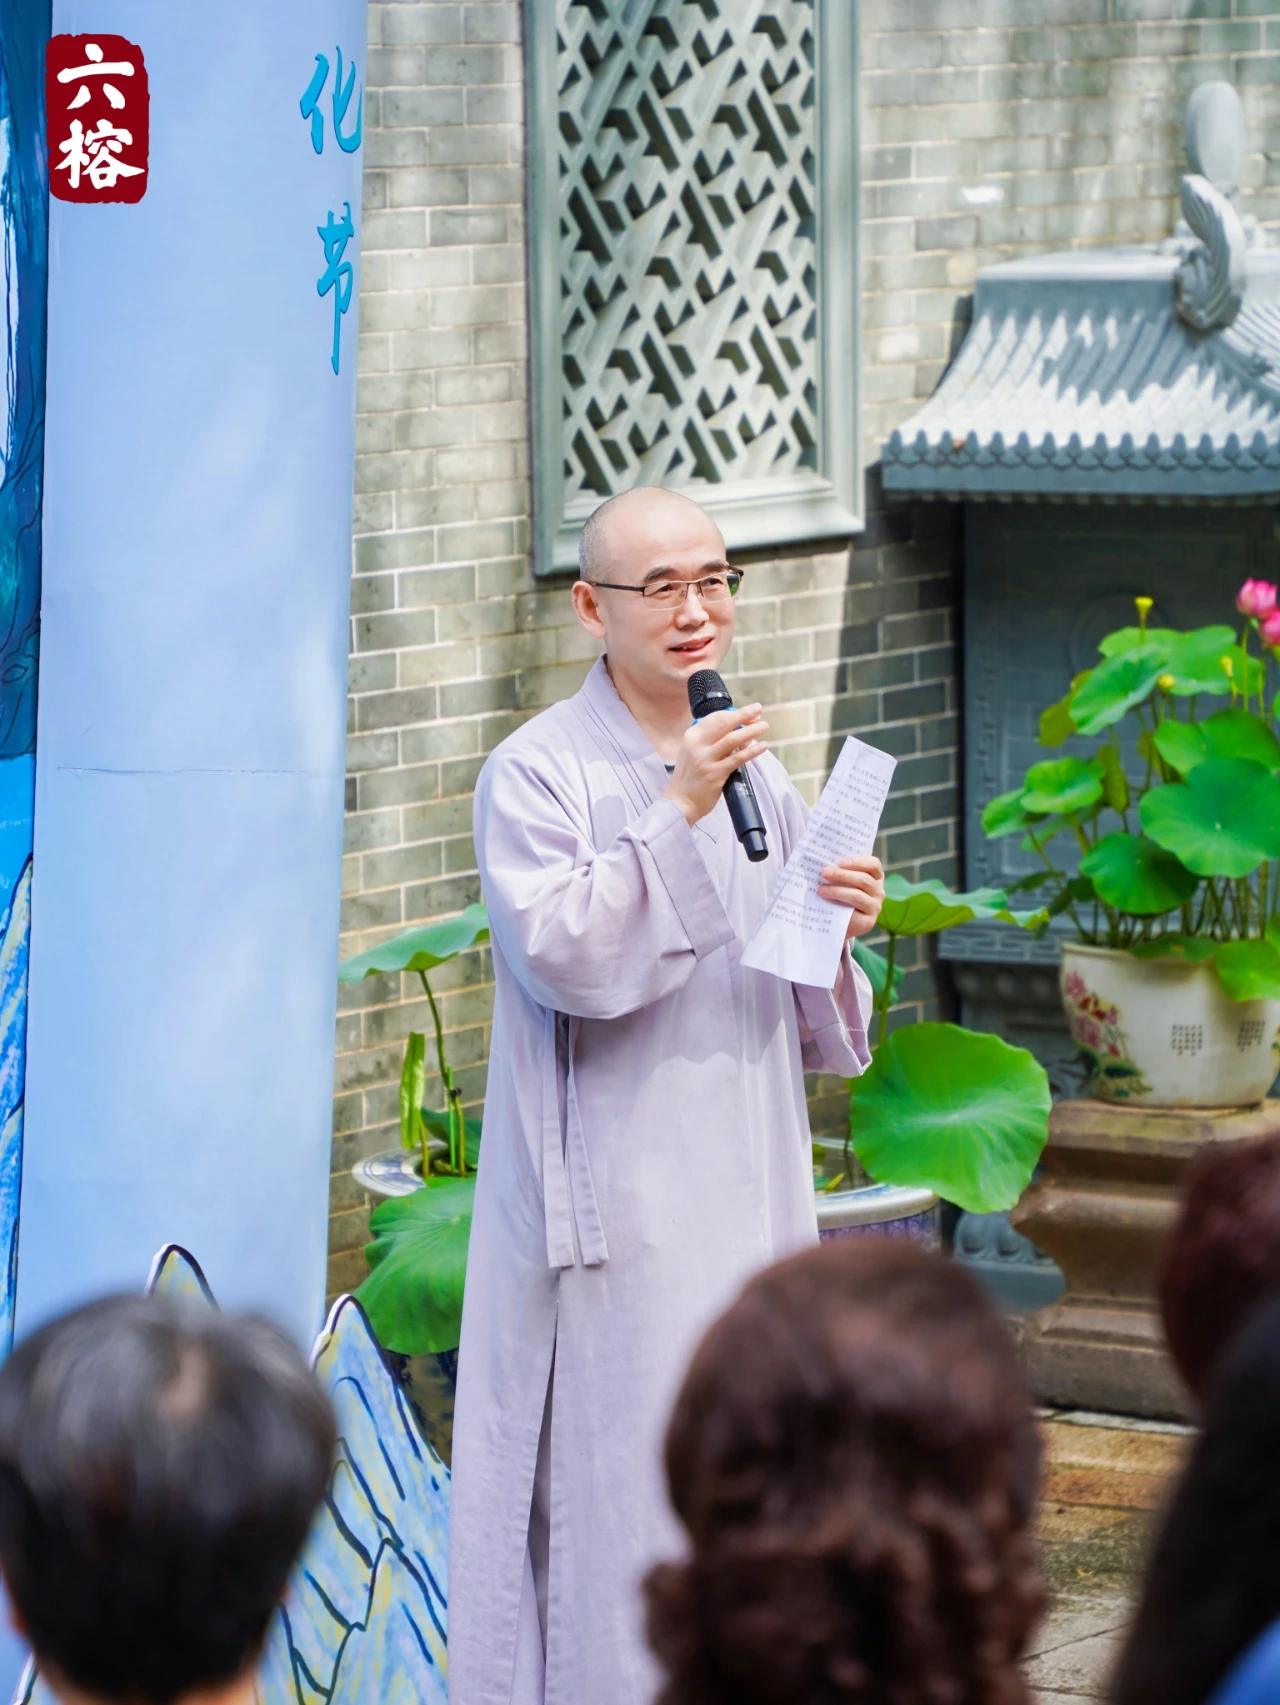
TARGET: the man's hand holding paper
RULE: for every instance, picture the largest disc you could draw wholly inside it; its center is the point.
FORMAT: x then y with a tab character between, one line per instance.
830	875
856	881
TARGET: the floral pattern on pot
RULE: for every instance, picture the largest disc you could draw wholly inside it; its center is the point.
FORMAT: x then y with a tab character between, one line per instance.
1095	1029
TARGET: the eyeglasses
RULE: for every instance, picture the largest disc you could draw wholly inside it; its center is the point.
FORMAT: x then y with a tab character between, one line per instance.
669	594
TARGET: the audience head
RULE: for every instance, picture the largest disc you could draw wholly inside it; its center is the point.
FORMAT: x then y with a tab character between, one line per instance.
1214	1580
159	1469
1225	1255
853	1457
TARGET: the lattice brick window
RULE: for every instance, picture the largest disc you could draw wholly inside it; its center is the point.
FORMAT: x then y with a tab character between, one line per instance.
693	249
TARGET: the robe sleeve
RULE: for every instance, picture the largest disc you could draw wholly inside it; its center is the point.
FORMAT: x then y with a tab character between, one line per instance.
833	1022
592	934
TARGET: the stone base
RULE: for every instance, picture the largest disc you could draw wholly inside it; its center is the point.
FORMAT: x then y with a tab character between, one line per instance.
1104	1205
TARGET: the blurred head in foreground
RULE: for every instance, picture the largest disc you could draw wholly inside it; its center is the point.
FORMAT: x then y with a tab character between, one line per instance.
853	1456
159	1470
1224	1258
1213	1584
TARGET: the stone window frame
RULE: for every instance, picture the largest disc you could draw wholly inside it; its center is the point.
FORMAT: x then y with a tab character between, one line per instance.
790	510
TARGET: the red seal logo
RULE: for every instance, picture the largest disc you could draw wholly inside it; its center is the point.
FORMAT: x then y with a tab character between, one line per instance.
96	105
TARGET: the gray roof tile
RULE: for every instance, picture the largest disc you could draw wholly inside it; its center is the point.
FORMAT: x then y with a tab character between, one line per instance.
1078	379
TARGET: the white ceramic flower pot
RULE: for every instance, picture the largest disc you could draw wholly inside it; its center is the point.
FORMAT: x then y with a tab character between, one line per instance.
1161	1033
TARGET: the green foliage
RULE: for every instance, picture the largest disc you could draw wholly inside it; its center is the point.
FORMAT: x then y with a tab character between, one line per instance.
1229	734
1116	686
413	1087
948	1128
418	1267
876	967
1062	785
1248	970
437	1125
1135	875
1057	724
418	1256
1115	784
1007	815
1199	870
1224	820
923	908
952	1111
420	949
1192	660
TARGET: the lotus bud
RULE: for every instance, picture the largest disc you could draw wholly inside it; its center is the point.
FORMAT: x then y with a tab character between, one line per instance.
1269	627
1165	683
1228	668
1256	598
1144	607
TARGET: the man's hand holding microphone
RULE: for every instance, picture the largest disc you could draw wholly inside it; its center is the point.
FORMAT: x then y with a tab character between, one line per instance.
719	744
711	750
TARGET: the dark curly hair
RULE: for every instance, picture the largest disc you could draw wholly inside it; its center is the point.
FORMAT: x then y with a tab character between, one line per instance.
854	1457
1224	1256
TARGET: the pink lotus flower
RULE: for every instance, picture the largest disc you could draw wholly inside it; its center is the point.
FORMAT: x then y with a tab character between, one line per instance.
1269	628
1256	598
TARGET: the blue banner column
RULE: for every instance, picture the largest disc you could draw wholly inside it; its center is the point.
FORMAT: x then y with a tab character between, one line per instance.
24	31
188	799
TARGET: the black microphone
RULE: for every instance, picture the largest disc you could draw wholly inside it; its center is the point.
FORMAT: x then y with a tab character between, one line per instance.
708	693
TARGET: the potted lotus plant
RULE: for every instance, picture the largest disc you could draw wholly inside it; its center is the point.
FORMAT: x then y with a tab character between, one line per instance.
941	1111
421	1229
1157	835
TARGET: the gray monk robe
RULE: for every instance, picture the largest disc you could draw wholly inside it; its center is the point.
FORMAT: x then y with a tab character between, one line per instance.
646	1148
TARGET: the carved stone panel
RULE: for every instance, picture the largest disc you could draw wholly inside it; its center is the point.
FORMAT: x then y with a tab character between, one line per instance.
693	261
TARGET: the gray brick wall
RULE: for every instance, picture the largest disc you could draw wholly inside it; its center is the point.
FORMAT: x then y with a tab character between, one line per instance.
1071	108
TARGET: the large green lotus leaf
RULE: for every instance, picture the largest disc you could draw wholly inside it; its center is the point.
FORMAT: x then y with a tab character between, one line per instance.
1062	784
876	967
1195	660
1240	733
1135	875
1248	970
1129	639
1182	745
1230	734
1115	686
1192	660
418	1257
1006	815
1222	821
953	1111
921	908
421	949
1193	948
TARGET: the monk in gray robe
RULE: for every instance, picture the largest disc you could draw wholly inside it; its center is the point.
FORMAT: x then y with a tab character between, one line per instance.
646	1142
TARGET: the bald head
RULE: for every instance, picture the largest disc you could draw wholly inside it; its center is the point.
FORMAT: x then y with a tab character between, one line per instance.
648	510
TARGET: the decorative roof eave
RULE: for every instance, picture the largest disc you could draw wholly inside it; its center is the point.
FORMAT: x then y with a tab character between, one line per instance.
1136	375
1173	473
